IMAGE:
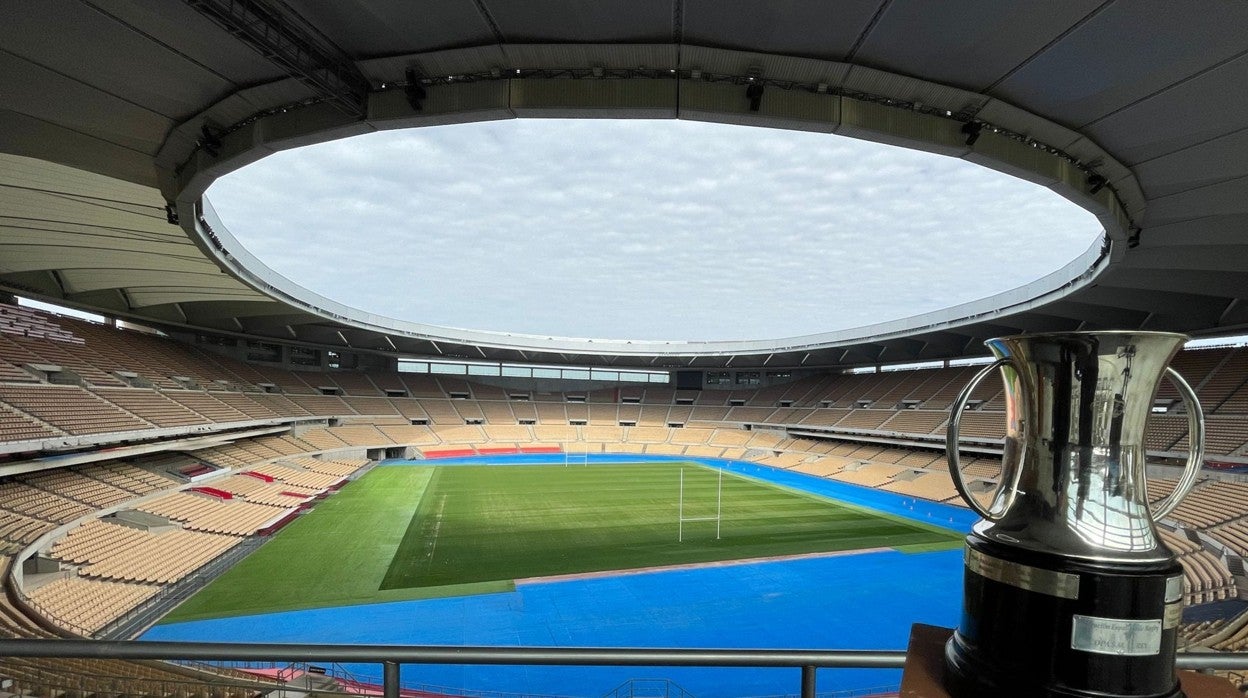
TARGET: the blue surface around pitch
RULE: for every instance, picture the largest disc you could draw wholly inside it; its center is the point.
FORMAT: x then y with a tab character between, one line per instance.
852	601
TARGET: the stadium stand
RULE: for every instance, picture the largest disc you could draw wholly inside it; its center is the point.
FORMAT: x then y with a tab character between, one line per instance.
124	382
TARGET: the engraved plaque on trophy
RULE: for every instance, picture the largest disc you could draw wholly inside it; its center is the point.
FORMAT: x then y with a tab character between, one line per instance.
1068	589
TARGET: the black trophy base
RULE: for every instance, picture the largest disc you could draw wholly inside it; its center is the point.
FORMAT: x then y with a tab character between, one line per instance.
1019	635
925	671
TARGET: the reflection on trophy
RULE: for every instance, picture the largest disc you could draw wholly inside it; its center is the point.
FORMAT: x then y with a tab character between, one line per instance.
1068	589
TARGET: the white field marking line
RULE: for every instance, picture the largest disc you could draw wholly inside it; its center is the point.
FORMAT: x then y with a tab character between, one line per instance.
437	528
694	566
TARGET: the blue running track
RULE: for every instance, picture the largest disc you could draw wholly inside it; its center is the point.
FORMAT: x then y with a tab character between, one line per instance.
854	601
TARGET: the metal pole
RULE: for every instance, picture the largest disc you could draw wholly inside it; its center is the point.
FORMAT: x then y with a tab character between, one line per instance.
390	679
808	681
680	510
719	504
534	656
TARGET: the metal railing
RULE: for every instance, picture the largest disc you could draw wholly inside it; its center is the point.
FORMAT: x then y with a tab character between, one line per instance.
392	657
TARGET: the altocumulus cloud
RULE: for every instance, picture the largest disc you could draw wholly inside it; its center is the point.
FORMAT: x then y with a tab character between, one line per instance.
643	230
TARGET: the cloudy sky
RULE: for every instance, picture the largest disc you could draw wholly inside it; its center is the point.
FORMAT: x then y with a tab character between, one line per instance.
643	229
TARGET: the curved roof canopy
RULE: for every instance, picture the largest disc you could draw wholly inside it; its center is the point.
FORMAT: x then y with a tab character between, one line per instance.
1135	110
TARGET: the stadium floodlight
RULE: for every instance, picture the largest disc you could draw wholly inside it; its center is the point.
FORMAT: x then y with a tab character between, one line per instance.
209	142
972	130
414	90
755	94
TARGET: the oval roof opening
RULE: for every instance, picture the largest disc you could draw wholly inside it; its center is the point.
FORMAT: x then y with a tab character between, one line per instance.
648	230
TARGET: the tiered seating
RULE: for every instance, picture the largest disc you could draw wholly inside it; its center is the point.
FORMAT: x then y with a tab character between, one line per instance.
440	411
651	435
128	477
1195	365
217	407
282	405
359	435
497	413
120	553
353	383
981	425
229	456
514	433
1222	435
555	434
299	477
87	604
825	417
1209	504
658	415
337	468
461	435
691	436
922	459
107	677
987	468
729	437
1234	535
409	409
869	475
322	439
250	405
152	406
78	487
65	355
15	426
1204	578
915	421
785	460
286	381
404	434
201	513
602	434
25	322
1226	381
934	486
329	405
421	386
286	444
748	414
256	449
822	467
1195	634
18	530
468	410
1163	431
261	491
71	409
39	504
708	414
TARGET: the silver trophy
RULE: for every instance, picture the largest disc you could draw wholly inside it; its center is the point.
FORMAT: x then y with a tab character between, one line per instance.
1068	589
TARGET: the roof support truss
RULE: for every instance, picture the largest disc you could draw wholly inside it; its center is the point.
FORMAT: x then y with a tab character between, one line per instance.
276	32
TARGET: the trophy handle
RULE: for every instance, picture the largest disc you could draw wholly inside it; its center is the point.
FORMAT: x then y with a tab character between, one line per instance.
951	439
1196	446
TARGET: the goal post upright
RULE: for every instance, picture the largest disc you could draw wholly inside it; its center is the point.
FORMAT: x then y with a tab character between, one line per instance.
680	510
719	503
718	518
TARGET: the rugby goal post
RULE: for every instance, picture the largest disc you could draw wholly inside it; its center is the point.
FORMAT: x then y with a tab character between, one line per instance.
570	459
718	518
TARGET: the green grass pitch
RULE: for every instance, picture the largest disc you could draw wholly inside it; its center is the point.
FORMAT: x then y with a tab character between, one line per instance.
419	531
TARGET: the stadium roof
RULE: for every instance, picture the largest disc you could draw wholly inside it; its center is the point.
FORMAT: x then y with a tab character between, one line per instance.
1135	110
